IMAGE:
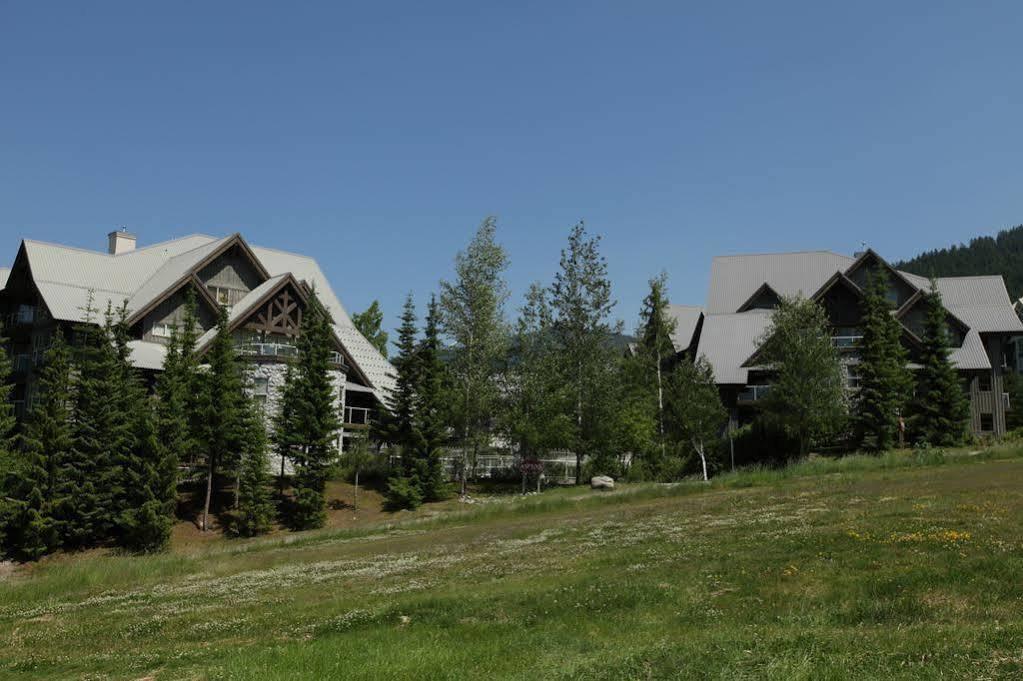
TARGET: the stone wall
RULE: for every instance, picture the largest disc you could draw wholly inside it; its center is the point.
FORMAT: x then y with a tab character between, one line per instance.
274	373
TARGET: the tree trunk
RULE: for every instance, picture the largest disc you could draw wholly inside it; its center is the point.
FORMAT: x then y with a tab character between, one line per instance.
703	458
660	402
281	479
237	487
355	503
209	494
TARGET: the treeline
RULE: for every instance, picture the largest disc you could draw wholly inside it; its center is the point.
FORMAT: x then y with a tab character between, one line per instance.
101	456
1001	254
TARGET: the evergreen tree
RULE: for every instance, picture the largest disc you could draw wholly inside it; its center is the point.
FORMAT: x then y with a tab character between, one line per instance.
807	397
27	531
284	432
398	425
219	424
89	479
581	300
473	318
313	424
940	412
430	424
695	415
885	381
144	519
255	512
368	322
48	435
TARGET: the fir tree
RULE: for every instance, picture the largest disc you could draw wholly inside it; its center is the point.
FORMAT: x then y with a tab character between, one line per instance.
26	529
219	422
885	381
940	412
655	348
284	433
429	413
313	422
255	512
89	479
47	433
398	425
368	322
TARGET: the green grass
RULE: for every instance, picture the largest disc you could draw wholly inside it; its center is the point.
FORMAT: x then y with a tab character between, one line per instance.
906	565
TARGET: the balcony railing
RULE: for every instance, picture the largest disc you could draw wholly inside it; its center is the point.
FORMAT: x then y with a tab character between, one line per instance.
357	416
21	363
845	342
753	393
25	314
284	350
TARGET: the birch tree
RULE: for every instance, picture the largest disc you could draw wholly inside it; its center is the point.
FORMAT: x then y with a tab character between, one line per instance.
695	415
472	317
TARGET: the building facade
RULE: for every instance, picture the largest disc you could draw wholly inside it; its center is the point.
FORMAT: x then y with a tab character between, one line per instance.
745	290
265	292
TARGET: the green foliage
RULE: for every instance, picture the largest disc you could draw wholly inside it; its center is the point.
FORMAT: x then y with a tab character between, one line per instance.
473	318
694	415
403	493
255	513
807	397
940	411
429	421
396	425
885	382
220	432
368	322
1001	254
656	349
581	302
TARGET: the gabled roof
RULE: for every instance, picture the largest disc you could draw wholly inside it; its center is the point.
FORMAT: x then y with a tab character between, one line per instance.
687	319
983	303
727	340
245	307
65	276
4	273
912	281
765	288
734	279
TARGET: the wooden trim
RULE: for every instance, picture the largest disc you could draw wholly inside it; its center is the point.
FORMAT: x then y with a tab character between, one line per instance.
756	294
871	252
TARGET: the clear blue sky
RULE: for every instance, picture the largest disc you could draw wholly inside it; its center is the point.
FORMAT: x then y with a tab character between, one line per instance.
377	136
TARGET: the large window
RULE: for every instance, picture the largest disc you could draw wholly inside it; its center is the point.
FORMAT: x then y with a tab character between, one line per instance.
987	423
228	297
985	382
161	330
261	391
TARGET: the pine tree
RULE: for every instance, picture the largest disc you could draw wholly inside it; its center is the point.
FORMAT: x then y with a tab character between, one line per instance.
885	381
219	422
255	512
473	318
429	413
368	322
284	433
314	416
47	433
940	412
582	302
27	530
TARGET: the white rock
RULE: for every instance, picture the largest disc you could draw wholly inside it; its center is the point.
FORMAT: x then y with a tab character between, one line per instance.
602	482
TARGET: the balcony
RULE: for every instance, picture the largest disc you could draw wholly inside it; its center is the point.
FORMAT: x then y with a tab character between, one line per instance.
846	342
359	417
282	351
23	316
753	393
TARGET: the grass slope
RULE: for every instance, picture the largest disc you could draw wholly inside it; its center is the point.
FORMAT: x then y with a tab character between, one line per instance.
904	566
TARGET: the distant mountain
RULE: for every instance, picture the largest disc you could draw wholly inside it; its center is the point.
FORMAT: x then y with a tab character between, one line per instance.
1001	254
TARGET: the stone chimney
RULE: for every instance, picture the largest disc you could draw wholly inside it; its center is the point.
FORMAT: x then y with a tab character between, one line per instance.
120	242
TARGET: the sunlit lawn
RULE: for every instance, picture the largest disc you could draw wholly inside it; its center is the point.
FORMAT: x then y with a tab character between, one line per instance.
866	573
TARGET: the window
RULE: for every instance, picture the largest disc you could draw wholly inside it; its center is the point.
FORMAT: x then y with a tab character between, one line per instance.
987	423
261	391
228	297
984	384
161	330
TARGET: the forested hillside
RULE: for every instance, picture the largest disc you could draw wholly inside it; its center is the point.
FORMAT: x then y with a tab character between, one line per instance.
1001	254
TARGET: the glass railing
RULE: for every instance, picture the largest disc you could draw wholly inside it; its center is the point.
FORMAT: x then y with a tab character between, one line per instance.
752	393
845	341
267	349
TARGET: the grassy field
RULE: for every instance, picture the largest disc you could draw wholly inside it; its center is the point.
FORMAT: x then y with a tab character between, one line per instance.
910	565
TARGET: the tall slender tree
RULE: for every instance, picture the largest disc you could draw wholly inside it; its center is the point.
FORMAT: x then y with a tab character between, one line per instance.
656	348
885	381
255	512
807	397
398	426
430	409
368	322
219	423
473	318
581	300
940	412
315	416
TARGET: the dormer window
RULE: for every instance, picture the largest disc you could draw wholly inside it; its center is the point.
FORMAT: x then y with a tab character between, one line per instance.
227	297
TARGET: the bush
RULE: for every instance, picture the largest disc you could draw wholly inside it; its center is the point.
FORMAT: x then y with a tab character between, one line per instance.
308	509
146	529
403	493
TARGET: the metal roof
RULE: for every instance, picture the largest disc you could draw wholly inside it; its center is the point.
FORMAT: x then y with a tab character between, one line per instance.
686	317
4	273
146	355
65	275
983	303
972	354
242	308
734	278
728	340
